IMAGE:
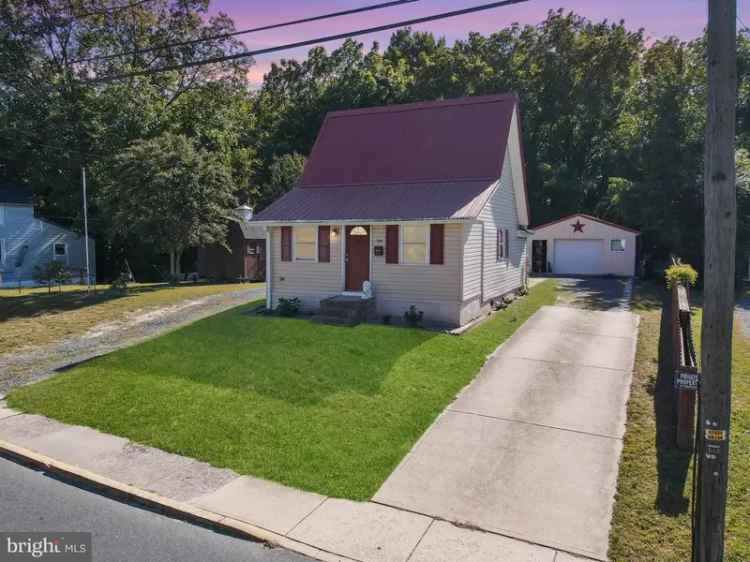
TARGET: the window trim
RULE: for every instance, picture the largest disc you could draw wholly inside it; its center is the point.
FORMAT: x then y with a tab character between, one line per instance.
624	245
295	230
402	241
55	256
500	245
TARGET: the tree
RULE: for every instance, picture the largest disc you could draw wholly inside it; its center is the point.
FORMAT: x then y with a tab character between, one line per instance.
284	173
52	122
169	194
51	272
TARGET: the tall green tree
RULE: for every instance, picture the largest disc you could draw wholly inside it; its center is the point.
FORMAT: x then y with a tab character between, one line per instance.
169	194
52	121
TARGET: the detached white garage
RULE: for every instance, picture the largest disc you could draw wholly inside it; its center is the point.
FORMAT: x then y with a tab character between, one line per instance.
583	245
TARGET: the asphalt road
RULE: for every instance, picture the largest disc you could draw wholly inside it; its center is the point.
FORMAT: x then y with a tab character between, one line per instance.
34	501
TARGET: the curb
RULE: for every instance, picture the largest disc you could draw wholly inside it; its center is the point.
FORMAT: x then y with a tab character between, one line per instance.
166	506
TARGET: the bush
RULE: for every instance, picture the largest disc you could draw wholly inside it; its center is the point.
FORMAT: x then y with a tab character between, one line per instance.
289	307
682	274
413	317
120	283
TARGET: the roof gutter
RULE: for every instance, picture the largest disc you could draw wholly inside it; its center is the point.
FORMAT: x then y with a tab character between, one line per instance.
525	232
361	221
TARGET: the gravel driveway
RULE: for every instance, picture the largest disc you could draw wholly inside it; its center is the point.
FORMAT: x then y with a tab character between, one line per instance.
31	365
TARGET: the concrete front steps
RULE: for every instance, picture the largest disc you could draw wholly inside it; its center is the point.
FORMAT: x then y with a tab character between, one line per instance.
344	310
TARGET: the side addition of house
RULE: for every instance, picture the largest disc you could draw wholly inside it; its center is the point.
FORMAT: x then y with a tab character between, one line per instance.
27	241
425	201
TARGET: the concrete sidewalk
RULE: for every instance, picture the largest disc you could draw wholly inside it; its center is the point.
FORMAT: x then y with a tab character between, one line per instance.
531	448
317	526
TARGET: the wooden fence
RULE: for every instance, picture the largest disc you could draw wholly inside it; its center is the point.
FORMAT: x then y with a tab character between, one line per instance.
685	365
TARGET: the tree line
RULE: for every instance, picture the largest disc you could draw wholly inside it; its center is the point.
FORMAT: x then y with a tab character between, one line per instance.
613	122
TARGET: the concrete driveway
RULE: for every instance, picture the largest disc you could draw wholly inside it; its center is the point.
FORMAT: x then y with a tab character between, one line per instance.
531	448
595	293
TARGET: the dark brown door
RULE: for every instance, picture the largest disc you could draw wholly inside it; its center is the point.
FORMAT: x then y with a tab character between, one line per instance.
357	257
539	256
255	260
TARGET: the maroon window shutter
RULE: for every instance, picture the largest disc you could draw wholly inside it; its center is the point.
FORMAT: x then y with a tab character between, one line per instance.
391	243
437	237
286	243
507	244
324	244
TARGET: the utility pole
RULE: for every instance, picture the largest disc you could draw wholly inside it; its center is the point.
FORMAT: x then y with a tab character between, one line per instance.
720	201
86	228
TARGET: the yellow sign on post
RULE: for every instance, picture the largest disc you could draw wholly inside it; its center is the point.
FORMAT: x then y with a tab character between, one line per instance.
716	435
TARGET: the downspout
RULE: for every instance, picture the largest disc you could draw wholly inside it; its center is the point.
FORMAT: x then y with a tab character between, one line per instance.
481	270
269	269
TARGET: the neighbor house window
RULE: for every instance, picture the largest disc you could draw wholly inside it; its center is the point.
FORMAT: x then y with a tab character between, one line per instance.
617	245
60	251
414	243
305	243
2	251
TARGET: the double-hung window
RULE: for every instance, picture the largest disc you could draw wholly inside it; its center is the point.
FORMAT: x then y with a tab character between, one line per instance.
305	243
60	251
414	239
502	249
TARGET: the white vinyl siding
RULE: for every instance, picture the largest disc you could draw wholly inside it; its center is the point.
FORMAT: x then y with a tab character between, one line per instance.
472	270
433	288
310	281
485	274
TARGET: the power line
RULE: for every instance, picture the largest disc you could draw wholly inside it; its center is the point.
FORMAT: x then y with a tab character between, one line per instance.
246	31
245	54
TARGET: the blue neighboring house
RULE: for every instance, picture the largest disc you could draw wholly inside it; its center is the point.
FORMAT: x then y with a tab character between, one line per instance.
27	241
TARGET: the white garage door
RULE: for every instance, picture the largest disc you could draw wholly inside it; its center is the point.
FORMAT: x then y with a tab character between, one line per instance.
578	257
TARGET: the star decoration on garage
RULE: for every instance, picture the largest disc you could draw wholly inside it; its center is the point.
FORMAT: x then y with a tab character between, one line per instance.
578	226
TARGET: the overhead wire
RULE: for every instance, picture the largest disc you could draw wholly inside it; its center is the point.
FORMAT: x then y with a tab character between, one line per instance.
227	35
307	42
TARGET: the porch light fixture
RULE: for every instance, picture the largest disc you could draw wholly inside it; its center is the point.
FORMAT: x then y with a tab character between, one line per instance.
334	231
358	231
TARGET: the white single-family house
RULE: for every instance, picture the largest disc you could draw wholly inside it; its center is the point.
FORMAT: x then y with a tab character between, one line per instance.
426	202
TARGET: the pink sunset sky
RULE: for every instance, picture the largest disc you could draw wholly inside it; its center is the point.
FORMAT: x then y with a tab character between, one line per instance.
659	18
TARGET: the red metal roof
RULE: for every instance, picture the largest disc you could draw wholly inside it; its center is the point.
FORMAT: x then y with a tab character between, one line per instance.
442	141
416	201
428	160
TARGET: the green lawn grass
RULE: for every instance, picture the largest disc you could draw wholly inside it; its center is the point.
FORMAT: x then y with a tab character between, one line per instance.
652	510
323	408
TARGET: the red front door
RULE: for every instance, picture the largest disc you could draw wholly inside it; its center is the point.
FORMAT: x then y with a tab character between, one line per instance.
357	257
